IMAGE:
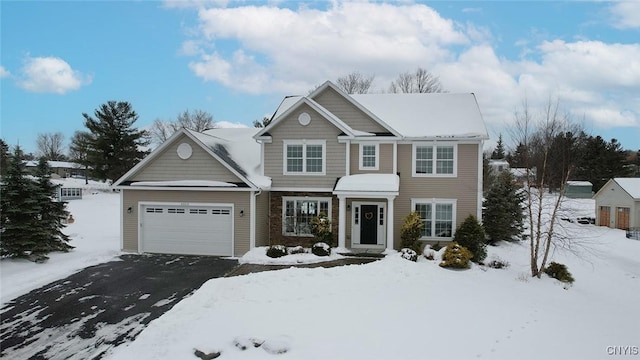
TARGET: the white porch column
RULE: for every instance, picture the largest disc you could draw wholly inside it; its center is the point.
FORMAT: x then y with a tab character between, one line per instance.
390	220
342	221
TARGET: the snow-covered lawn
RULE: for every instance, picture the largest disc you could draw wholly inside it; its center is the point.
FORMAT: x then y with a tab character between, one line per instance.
95	235
396	309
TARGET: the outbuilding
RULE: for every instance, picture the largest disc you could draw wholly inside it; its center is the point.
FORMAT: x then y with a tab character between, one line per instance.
618	203
579	190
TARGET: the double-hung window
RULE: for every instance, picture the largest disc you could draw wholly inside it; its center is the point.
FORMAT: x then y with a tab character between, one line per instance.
434	160
369	157
297	213
437	215
304	157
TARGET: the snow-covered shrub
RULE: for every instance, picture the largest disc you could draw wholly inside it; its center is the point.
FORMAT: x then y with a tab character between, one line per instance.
321	249
411	231
559	271
321	229
470	234
408	254
436	247
429	254
456	256
276	251
297	250
497	263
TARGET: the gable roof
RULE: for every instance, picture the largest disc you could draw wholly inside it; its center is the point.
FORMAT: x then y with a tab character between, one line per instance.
290	104
233	148
630	185
428	115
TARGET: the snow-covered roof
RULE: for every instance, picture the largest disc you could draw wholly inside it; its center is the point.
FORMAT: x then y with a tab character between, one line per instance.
237	148
180	183
579	183
498	162
427	115
630	185
55	164
367	183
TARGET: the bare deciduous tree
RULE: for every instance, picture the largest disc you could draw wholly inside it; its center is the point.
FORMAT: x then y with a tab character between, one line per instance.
198	120
538	137
51	146
419	81
355	83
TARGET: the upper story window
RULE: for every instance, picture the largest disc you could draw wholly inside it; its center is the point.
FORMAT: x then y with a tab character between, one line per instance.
307	157
434	160
369	156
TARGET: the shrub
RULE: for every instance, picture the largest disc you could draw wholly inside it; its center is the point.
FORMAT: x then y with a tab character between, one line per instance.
497	263
321	249
456	256
429	254
408	254
560	272
276	251
321	229
470	234
436	246
296	250
411	231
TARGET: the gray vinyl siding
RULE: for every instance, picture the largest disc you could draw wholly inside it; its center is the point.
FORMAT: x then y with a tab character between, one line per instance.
132	198
385	165
318	129
347	112
463	188
262	219
200	166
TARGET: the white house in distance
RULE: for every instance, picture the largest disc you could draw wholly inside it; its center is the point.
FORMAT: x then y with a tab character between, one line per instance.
618	203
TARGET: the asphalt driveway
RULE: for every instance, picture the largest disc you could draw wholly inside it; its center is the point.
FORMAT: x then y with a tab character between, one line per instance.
100	307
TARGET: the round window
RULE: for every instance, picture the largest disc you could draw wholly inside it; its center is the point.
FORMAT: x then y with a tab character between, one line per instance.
184	151
304	119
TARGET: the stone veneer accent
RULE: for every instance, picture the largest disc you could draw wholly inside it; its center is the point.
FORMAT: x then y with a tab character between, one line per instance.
275	220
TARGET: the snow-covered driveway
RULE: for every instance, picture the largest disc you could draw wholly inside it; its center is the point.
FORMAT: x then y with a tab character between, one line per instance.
86	314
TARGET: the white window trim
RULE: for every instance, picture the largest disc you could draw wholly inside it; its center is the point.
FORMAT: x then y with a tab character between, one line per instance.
304	144
434	159
377	159
295	198
433	202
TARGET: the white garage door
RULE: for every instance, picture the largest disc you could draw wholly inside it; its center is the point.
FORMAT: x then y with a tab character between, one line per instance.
189	230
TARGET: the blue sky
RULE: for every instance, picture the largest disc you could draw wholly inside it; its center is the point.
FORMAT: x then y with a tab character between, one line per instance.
237	60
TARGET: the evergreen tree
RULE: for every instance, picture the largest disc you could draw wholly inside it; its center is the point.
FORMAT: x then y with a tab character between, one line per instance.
114	145
499	152
470	234
502	213
600	161
20	211
4	157
52	212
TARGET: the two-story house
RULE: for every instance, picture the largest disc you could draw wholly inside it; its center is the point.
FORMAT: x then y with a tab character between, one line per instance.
365	161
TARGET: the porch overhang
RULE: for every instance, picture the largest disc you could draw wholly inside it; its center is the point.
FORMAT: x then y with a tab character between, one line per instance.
368	186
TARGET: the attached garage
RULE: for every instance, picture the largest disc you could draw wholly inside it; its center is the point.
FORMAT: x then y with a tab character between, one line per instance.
201	229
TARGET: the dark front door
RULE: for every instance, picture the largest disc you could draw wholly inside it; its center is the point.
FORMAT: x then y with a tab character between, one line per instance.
369	225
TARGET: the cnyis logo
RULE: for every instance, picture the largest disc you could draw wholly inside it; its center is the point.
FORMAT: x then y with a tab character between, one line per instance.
623	350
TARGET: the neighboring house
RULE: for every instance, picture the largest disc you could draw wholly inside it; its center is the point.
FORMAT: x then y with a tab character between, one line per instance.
618	203
523	175
579	189
60	168
364	160
498	165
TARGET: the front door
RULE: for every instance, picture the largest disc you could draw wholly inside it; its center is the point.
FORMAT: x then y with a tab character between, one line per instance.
369	225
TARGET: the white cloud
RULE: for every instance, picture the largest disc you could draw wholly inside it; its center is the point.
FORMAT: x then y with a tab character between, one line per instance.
283	50
50	75
298	49
227	124
4	72
625	14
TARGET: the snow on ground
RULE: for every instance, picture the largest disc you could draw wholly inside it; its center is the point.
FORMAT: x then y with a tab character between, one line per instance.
397	309
95	235
258	255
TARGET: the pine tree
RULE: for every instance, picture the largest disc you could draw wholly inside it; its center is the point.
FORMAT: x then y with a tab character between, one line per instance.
52	213
470	234
20	211
113	145
499	152
502	213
